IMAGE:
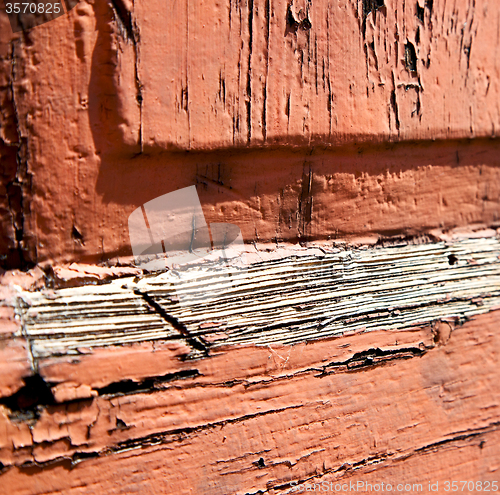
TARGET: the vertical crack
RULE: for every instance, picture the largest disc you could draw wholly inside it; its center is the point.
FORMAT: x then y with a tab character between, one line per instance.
128	27
15	187
138	83
306	203
330	92
410	57
187	75
249	74
21	306
394	103
264	109
368	7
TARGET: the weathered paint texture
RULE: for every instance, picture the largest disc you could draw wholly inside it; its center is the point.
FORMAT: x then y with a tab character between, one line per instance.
188	75
346	124
411	406
95	103
295	297
392	359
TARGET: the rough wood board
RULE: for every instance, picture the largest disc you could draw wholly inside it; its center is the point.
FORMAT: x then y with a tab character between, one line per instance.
92	102
115	386
289	299
429	416
80	94
144	75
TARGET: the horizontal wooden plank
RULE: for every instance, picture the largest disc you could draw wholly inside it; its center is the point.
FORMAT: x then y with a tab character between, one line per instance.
286	300
302	366
99	105
259	73
301	420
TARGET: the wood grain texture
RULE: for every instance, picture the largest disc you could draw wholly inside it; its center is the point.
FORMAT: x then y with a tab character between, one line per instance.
309	367
104	108
264	72
289	299
197	75
362	359
298	414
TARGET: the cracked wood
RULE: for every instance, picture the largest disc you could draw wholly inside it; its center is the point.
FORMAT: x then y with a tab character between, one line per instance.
292	298
256	419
